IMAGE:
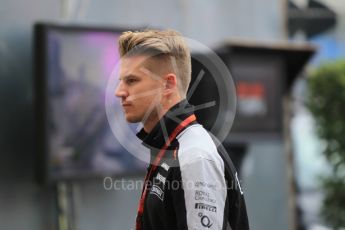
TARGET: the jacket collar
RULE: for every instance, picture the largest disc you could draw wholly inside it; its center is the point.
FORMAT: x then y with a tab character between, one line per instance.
166	125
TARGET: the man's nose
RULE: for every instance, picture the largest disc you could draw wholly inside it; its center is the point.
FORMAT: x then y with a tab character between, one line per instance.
121	91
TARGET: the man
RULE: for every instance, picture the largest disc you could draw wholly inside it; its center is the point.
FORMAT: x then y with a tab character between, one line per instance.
190	184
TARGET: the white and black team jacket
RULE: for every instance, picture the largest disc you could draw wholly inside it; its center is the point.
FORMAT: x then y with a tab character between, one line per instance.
195	185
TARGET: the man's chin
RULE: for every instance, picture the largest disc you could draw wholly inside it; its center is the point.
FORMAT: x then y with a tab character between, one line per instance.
132	119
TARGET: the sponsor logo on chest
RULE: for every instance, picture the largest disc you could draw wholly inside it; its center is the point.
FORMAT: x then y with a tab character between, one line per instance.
165	166
161	178
155	190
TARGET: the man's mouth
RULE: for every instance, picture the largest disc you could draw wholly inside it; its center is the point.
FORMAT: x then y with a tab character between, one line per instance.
126	105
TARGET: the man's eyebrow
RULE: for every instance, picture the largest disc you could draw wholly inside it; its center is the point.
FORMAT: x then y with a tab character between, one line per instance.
128	76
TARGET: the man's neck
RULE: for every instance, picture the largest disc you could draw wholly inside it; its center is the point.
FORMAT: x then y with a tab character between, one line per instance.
151	123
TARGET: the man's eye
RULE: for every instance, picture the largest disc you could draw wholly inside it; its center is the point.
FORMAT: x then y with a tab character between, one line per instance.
130	81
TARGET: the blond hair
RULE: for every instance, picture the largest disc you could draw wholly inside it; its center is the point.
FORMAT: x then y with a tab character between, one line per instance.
164	45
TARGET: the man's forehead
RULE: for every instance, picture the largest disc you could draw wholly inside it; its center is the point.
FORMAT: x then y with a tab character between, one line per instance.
137	63
133	62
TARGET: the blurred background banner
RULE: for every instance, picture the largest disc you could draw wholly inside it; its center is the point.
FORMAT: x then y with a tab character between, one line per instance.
61	167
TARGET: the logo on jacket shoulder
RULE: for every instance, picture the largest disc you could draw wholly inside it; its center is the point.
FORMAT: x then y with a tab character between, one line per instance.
155	190
205	207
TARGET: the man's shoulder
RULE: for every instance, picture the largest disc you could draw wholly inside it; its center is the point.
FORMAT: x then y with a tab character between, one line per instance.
195	143
196	136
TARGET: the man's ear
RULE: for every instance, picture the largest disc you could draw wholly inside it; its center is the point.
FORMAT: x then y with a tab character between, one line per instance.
170	81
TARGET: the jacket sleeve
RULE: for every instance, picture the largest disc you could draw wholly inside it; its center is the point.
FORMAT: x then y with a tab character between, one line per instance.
204	189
